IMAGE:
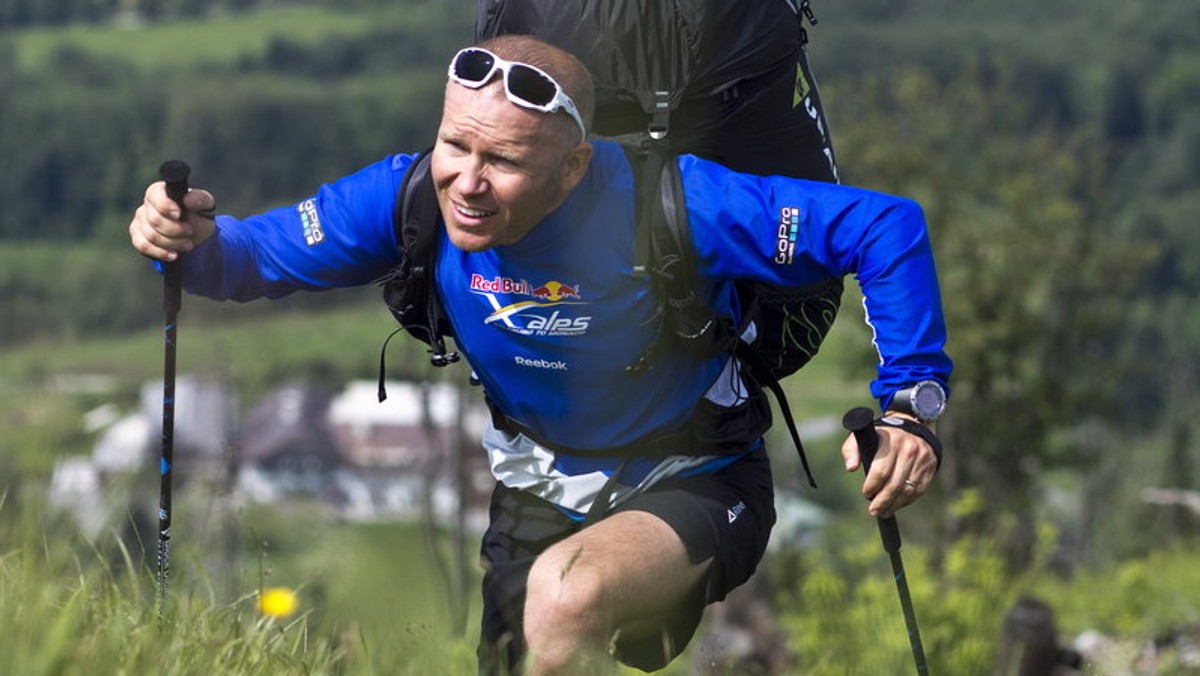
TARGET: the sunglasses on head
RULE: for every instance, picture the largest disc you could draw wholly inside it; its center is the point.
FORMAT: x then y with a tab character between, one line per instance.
524	85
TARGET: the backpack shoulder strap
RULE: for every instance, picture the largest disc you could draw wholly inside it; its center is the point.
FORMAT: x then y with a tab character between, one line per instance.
663	251
417	220
685	319
415	216
409	289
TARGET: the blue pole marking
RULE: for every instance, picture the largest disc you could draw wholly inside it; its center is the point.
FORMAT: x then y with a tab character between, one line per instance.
164	466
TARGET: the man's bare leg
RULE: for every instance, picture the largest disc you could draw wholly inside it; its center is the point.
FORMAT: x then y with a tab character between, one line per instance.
582	590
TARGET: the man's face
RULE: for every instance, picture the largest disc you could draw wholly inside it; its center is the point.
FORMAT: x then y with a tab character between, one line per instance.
499	169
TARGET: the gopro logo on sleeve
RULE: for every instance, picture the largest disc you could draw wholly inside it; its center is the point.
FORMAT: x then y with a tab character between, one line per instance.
313	234
785	239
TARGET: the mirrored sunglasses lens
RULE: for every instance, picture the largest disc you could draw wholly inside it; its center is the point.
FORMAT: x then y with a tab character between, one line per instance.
473	65
531	86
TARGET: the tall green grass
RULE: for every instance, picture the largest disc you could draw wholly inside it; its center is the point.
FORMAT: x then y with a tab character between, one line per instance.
71	607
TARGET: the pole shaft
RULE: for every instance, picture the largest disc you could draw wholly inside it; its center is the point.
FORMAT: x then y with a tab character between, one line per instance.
175	174
167	458
910	616
861	422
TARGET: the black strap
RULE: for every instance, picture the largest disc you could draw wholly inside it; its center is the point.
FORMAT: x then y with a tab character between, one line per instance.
913	427
662	231
410	288
382	392
654	152
648	161
761	372
600	505
418	224
660	115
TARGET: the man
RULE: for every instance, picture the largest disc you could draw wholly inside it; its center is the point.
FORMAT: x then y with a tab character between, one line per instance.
535	273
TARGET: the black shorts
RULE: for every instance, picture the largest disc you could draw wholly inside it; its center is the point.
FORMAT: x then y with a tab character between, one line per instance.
726	516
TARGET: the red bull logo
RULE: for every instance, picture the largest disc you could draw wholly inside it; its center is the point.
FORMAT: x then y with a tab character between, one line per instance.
555	291
499	285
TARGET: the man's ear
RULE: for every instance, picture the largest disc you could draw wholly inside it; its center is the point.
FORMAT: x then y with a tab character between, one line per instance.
576	165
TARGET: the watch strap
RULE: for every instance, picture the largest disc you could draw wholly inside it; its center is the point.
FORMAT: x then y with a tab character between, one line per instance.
914	427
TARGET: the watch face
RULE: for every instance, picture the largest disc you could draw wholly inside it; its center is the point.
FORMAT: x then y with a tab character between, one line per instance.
928	400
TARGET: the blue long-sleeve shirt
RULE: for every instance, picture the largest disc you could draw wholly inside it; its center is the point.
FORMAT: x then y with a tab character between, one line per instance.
549	323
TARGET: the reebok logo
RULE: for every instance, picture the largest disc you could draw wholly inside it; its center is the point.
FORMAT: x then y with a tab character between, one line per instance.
735	511
541	364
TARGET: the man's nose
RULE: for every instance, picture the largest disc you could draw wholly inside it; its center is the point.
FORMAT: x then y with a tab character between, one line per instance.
470	179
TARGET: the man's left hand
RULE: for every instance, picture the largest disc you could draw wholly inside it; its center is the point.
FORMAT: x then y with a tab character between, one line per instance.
902	470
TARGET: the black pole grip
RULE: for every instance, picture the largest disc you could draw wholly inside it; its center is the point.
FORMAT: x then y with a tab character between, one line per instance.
175	174
860	422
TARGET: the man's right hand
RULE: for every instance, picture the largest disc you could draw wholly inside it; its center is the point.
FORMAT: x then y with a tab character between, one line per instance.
157	231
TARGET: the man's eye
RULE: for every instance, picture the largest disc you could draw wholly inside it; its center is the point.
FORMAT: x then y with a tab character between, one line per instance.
505	163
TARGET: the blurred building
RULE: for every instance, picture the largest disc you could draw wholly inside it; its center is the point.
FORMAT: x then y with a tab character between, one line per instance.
99	490
414	453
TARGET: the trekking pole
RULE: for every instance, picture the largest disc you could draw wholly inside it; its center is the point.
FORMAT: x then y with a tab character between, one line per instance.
861	422
175	174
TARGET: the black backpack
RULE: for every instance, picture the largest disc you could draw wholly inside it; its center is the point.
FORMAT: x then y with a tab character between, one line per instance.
672	67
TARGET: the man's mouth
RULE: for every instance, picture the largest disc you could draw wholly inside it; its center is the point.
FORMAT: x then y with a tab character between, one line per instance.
472	213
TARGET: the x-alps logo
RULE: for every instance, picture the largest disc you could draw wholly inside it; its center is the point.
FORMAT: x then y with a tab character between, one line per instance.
547	311
313	234
785	239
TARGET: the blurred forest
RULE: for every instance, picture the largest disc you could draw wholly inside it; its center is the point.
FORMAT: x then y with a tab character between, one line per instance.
1055	147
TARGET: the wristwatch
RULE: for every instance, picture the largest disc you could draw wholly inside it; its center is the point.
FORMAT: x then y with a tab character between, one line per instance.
926	400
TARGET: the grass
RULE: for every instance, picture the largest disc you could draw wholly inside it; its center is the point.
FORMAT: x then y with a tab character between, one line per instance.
221	39
367	605
69	607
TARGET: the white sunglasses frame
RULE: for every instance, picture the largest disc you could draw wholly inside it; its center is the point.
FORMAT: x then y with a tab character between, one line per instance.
561	100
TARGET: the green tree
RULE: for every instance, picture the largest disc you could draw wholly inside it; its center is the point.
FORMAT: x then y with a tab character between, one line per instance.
1033	276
